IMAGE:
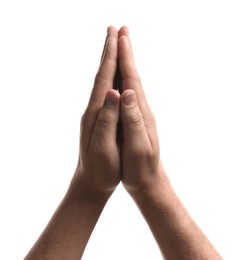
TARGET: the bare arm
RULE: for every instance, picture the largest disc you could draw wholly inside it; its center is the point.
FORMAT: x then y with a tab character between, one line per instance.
175	231
68	232
97	173
143	176
101	165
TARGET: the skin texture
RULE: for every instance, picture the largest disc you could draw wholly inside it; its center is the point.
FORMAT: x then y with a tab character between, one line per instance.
68	232
118	132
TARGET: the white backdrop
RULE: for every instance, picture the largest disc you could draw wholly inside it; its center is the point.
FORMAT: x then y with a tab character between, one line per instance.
191	56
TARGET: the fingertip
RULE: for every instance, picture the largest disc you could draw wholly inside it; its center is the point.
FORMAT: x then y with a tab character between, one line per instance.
112	98
112	32
129	97
124	30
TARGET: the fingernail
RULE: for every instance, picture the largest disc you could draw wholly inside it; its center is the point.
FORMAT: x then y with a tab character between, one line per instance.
111	100
130	99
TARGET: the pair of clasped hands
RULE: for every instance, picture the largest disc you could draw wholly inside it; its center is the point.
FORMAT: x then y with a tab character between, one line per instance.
118	132
119	142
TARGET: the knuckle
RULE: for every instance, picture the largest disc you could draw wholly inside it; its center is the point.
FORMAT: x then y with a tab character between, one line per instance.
101	153
136	119
150	122
144	153
147	158
82	119
104	118
96	150
101	79
150	156
133	78
82	123
98	78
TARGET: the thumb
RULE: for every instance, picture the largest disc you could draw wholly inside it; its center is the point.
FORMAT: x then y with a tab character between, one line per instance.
105	131
134	132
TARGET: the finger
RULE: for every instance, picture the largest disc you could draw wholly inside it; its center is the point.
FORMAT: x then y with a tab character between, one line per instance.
105	132
123	31
130	76
105	75
103	82
118	78
111	32
135	134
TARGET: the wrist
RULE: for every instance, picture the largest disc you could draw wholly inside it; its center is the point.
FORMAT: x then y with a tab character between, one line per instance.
156	185
81	190
70	228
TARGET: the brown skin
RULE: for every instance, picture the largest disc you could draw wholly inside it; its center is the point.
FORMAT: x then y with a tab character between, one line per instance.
143	175
69	230
135	160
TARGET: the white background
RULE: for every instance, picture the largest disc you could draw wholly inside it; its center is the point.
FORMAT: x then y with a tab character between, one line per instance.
191	56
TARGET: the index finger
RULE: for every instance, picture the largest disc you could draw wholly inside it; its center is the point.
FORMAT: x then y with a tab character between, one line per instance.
105	75
130	76
103	82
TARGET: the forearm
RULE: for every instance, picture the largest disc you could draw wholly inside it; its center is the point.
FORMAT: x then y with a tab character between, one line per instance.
69	230
176	233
